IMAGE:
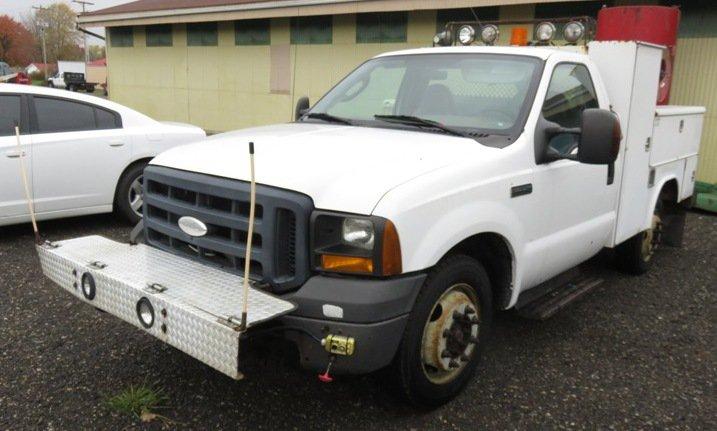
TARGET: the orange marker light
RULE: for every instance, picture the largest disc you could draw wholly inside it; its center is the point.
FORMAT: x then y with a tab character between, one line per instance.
331	262
519	36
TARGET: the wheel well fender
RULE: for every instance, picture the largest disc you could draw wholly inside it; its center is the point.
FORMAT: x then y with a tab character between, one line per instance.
667	191
496	254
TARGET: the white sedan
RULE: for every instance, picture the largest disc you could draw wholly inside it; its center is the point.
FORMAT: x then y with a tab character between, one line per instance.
82	154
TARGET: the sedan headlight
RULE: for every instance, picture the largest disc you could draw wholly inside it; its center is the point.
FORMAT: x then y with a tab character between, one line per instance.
355	244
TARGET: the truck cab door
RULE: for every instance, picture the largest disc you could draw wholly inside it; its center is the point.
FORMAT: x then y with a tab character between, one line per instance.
580	198
12	195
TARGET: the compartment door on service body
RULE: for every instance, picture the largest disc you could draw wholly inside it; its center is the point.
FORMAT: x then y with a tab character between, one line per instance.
80	150
12	195
581	198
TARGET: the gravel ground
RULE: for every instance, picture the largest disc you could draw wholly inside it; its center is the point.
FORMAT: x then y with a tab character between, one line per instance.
637	353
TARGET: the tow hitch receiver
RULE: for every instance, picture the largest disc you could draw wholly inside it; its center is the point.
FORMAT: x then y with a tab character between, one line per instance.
193	307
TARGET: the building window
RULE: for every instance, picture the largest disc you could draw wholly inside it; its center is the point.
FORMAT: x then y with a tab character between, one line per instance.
252	32
159	35
444	16
202	34
121	37
311	30
384	27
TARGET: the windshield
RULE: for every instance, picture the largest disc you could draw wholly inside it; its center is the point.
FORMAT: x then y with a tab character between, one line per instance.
478	93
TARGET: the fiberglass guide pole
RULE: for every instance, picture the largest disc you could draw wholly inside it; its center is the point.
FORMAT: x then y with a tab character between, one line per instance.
30	204
250	234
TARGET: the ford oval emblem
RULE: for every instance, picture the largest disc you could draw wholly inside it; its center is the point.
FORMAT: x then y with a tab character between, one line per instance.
192	226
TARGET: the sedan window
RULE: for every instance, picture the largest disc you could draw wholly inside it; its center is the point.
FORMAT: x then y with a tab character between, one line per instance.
54	115
9	114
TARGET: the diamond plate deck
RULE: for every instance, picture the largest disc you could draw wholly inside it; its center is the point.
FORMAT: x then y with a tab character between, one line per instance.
191	314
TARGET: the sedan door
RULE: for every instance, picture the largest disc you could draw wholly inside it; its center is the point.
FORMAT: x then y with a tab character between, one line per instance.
79	152
12	194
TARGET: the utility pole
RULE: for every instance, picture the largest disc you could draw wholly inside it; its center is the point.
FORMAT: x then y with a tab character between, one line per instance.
44	50
84	35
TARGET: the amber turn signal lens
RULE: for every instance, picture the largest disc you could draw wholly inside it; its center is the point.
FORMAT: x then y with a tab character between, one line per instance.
519	36
361	265
391	253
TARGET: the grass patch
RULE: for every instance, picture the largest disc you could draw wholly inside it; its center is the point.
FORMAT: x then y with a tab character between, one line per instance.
140	401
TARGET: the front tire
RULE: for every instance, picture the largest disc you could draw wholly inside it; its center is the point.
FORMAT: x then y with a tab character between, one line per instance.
129	197
445	333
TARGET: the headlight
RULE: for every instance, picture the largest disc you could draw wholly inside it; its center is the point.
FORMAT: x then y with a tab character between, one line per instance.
545	32
466	35
573	31
353	244
489	34
358	232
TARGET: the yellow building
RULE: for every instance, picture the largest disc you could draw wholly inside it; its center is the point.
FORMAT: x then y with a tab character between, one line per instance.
228	64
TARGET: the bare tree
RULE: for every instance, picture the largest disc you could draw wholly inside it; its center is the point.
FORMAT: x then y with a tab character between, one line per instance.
61	34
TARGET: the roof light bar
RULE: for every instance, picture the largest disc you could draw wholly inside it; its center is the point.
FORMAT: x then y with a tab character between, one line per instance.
574	30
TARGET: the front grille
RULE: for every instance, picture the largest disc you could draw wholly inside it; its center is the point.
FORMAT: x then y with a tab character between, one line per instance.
280	251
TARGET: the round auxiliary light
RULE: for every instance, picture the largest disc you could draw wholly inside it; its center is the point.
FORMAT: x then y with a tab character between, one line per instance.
466	35
88	286
442	39
145	313
545	32
489	34
573	31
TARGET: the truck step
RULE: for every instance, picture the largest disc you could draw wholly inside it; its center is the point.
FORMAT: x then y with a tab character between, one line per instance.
558	298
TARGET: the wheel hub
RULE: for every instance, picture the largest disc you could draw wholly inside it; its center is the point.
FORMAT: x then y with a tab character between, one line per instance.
451	333
651	239
135	195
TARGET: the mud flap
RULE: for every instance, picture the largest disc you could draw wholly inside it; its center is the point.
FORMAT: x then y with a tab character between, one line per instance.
194	307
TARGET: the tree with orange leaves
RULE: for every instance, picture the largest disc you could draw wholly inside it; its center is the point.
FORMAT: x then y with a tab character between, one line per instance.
17	44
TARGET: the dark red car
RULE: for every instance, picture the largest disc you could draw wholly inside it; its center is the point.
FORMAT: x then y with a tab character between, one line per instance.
21	78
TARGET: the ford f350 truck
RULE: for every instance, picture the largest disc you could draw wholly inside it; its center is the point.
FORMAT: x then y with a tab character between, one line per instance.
426	190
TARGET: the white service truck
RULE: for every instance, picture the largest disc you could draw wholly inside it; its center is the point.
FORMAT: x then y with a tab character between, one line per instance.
427	189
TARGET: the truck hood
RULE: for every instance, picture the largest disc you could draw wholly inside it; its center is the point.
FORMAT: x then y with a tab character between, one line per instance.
341	168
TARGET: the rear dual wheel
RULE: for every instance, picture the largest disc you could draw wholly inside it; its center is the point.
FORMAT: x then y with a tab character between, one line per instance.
634	256
445	332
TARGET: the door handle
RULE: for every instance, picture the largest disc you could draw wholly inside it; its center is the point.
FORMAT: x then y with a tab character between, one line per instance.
116	144
14	154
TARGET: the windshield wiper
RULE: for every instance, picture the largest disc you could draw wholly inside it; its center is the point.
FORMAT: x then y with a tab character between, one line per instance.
329	118
421	122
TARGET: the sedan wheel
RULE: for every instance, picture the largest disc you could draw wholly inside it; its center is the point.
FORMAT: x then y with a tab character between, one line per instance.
135	196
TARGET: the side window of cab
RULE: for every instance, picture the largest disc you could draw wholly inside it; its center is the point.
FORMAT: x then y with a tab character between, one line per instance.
570	92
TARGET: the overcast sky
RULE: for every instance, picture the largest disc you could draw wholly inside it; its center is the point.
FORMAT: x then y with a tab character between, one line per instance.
18	8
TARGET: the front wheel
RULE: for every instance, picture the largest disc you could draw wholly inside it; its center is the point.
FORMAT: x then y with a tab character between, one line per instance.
129	197
445	332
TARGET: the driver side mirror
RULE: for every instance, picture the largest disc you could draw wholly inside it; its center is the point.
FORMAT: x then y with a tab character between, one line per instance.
598	140
600	137
302	106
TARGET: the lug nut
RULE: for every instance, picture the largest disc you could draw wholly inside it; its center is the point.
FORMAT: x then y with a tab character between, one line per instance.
453	364
469	311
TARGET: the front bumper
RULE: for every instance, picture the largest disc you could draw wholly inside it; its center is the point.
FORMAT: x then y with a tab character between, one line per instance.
372	311
197	309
